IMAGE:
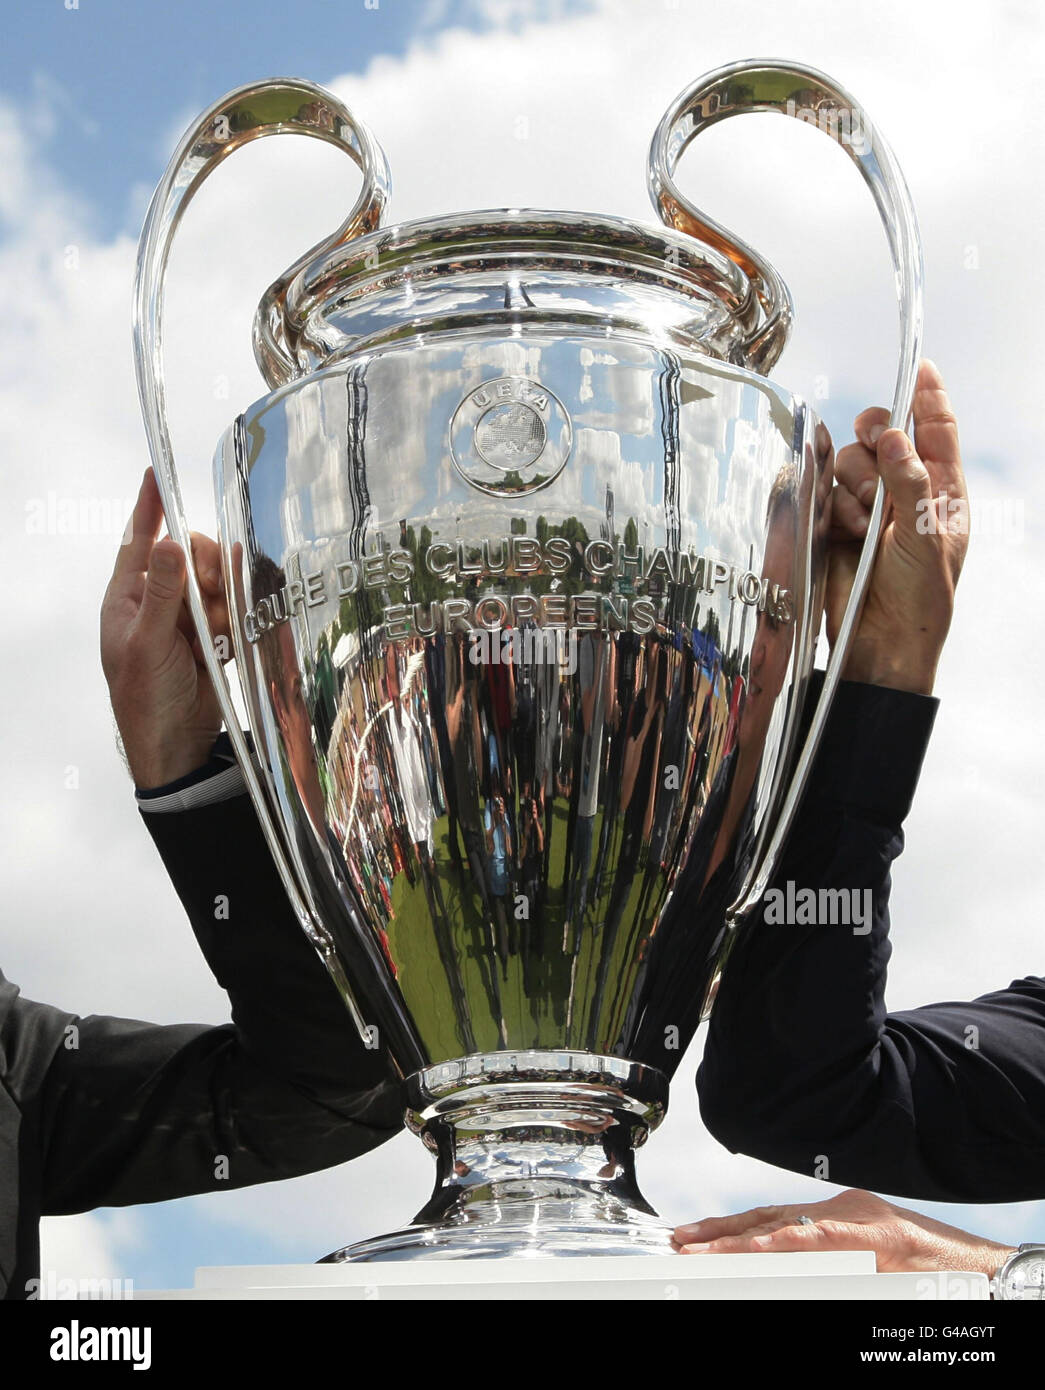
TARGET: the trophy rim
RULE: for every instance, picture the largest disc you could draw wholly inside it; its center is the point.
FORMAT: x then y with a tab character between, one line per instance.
678	287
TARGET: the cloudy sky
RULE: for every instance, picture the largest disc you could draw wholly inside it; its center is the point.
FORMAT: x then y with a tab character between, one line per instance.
486	103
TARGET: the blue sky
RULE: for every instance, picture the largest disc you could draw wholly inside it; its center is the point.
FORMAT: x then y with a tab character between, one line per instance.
93	100
117	74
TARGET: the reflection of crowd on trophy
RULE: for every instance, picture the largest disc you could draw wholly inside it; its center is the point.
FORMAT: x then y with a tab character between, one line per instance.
536	811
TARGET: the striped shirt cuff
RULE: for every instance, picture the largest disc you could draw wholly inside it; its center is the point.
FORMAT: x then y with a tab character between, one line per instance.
219	779
220	786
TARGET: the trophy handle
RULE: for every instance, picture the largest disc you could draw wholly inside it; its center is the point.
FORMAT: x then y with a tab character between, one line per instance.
804	93
273	107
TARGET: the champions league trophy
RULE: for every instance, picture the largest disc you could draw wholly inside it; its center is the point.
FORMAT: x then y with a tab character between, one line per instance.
526	561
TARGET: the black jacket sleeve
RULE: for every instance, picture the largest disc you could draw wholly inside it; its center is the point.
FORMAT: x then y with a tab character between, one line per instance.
132	1112
803	1066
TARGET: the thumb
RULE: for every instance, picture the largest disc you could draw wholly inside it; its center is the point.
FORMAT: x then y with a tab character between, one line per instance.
164	589
906	480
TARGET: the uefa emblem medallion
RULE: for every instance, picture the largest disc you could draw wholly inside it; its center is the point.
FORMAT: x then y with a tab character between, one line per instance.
510	435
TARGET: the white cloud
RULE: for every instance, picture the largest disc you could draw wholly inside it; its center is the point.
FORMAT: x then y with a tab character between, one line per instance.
82	1250
555	114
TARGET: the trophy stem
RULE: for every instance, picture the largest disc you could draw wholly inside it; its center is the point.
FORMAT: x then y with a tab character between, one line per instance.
534	1156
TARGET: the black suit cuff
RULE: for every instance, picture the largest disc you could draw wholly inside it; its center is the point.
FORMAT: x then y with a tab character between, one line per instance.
870	756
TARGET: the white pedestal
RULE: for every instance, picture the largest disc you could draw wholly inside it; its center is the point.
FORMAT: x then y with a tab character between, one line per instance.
823	1275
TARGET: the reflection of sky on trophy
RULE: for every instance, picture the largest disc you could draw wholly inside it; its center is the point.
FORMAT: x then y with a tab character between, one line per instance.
409	474
508	115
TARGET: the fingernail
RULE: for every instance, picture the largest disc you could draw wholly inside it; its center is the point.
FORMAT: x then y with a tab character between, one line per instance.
692	1228
211	578
697	1248
875	433
866	492
896	447
761	1241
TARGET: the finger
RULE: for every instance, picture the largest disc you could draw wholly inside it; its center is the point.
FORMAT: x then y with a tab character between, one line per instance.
788	1235
744	1242
223	653
936	431
218	626
712	1227
132	588
906	479
160	614
869	424
218	616
856	468
142	530
206	556
818	1235
849	517
727	1245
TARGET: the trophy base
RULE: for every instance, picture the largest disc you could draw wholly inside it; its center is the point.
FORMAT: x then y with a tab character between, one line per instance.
535	1158
518	1239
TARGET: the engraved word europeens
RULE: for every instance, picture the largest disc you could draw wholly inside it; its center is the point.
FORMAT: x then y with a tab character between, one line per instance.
521	557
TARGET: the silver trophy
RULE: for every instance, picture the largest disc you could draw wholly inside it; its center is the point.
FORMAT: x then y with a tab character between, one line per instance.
526	560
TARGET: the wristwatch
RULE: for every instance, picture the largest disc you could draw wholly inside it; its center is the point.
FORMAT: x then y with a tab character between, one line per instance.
1022	1276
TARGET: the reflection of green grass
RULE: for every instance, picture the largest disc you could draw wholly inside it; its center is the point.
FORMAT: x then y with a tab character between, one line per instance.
534	1016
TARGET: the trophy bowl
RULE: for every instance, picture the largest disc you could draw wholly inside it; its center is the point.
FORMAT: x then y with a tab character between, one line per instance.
526	561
